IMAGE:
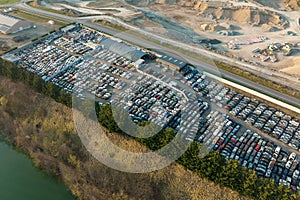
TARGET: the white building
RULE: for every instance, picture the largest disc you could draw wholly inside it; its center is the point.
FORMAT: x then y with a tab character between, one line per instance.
10	24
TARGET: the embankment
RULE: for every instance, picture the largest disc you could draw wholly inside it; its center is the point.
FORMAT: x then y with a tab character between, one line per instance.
44	129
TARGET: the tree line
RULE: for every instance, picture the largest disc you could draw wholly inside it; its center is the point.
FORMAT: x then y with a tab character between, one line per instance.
35	82
214	167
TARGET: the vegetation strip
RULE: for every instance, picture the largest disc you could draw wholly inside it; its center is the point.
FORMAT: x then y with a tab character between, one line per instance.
221	65
255	93
214	167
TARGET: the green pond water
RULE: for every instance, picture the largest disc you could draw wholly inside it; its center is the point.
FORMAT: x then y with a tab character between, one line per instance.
20	180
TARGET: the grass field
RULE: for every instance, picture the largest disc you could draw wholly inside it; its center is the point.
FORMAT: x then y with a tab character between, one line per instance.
37	18
31	3
220	65
8	1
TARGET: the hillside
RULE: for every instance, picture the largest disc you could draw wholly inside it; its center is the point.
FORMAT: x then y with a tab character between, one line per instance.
293	4
222	10
45	130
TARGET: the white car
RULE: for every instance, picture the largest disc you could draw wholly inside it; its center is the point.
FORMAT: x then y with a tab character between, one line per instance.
296	174
292	156
268	174
288	164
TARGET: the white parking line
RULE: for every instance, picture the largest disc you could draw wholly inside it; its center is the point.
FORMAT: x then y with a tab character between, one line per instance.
255	93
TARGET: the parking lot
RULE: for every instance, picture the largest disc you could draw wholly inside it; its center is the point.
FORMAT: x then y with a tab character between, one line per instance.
200	109
73	59
221	131
255	113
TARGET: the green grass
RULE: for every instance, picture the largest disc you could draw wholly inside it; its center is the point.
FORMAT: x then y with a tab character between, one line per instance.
114	26
37	18
8	1
257	79
51	10
230	68
227	67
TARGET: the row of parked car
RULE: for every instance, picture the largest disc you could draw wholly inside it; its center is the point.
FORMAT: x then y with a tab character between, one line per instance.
44	60
147	99
72	46
221	133
257	114
84	35
85	76
111	57
116	71
188	123
217	131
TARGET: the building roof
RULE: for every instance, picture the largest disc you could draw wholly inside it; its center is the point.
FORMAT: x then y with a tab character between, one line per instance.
4	28
171	60
68	28
10	57
8	20
9	24
123	49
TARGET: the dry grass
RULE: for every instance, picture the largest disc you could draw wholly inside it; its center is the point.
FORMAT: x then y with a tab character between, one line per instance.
8	1
295	69
30	114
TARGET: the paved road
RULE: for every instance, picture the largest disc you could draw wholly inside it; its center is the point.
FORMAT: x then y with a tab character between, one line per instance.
263	72
200	64
145	43
255	93
9	5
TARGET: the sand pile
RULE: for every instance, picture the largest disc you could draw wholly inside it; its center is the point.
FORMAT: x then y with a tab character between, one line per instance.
253	16
293	4
295	67
215	27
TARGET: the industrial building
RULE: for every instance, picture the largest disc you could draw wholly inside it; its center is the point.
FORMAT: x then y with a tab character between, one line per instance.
10	24
170	61
119	47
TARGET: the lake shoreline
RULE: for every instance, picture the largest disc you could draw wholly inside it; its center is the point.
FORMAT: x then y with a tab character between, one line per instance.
10	144
20	179
44	130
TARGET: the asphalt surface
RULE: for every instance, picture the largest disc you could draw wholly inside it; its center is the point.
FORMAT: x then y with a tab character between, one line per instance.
148	44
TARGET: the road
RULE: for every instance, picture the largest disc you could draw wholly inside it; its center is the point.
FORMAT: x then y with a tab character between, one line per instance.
255	93
145	43
265	73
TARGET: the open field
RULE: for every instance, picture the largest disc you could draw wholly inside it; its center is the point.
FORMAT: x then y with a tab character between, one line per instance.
42	27
43	20
8	1
295	68
8	42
